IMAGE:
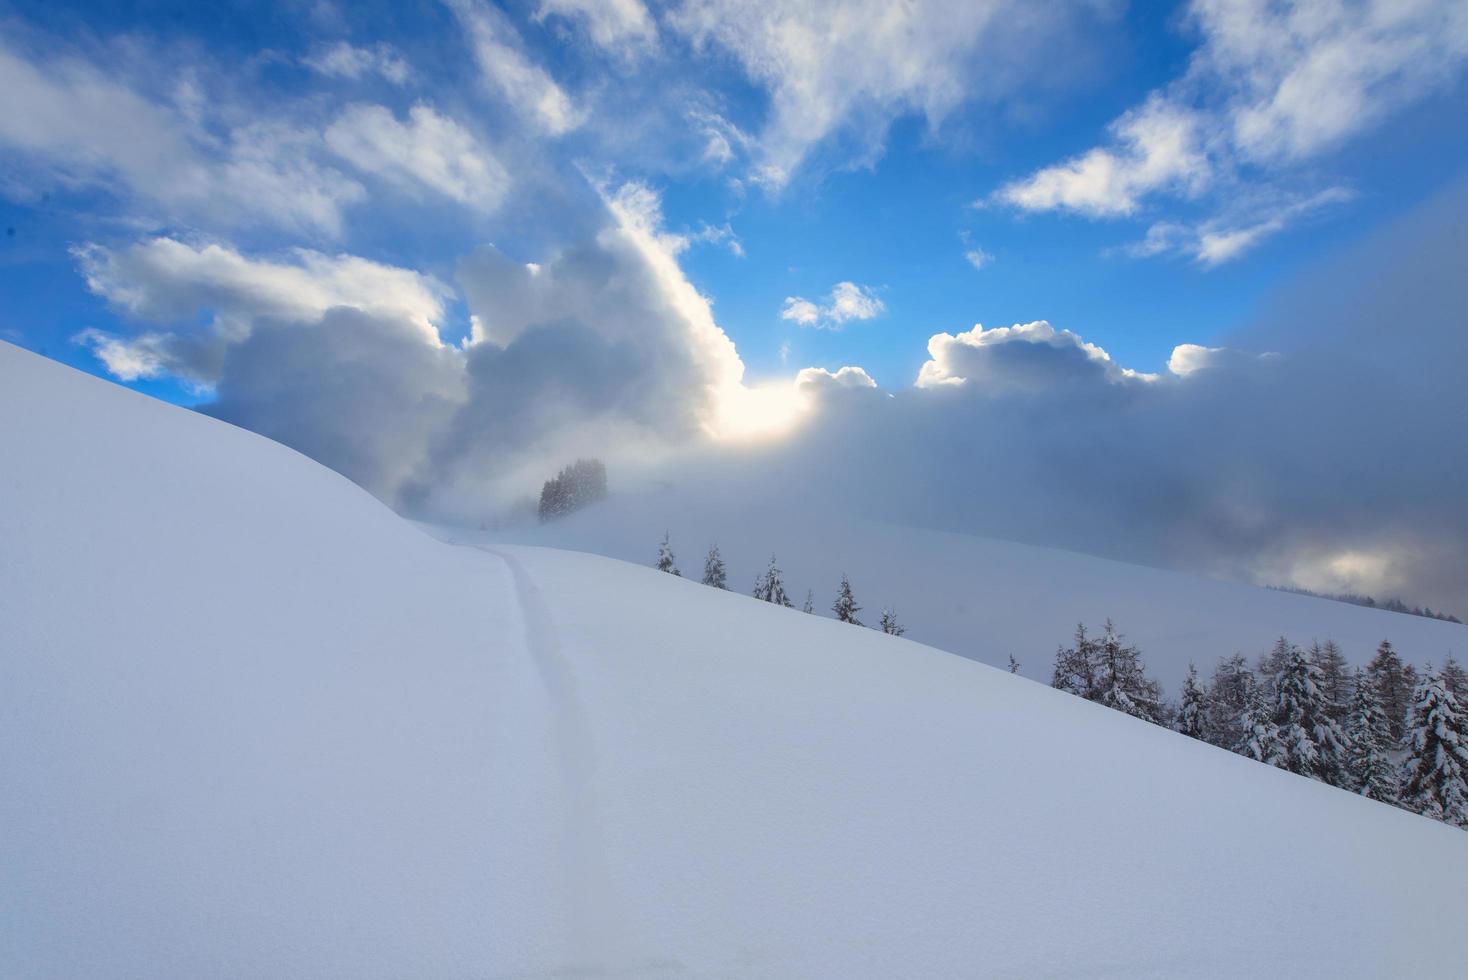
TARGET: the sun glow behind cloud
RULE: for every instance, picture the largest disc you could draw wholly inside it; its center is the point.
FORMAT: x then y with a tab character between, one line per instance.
759	413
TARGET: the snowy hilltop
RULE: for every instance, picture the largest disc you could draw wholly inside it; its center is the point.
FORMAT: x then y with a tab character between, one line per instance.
254	724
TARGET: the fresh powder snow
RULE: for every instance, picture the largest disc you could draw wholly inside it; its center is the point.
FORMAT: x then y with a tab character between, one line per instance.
253	724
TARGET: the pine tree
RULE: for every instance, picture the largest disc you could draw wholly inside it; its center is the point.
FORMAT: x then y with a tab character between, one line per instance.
665	558
1409	685
1311	740
1271	665
889	623
810	602
1391	679
1455	679
1335	678
770	587
1121	680
1228	699
713	569
1075	666
1369	739
1259	738
1435	773
845	606
1192	715
1013	664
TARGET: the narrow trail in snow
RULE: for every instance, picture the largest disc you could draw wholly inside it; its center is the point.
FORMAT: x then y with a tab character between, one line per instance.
597	936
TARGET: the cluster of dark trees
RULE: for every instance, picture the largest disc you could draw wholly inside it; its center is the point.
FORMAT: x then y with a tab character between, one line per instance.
583	482
770	587
1381	731
1390	605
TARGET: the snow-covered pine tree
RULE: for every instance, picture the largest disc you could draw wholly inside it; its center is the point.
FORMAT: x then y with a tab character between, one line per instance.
1335	678
1311	741
1435	773
1368	742
845	606
1013	664
665	557
713	569
1192	713
889	624
1075	666
1228	699
810	602
1409	684
770	587
1259	739
1121	679
1391	679
1455	678
1271	664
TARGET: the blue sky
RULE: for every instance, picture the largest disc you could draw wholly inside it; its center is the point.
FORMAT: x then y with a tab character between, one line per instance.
888	204
445	246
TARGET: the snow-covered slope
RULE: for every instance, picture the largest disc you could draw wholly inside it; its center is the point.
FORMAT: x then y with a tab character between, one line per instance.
254	725
983	598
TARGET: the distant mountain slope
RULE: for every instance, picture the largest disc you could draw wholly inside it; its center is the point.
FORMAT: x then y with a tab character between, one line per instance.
254	725
979	597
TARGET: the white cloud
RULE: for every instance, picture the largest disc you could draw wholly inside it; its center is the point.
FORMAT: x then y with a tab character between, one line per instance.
1188	358
814	380
1155	147
1027	357
623	27
851	67
344	60
847	301
603	347
1304	76
144	356
428	150
65	123
1272	84
509	72
801	311
164	280
977	257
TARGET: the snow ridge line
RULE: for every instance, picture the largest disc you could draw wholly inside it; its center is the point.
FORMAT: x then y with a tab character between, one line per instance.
597	935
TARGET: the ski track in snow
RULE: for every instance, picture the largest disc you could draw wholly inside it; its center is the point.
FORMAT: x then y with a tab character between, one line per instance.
598	933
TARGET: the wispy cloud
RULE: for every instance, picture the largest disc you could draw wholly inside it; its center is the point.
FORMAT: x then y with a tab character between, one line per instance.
68	123
345	60
1270	86
1238	230
850	69
425	151
510	73
622	27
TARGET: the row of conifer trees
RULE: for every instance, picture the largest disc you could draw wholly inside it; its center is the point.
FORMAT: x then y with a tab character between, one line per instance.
770	587
1381	731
